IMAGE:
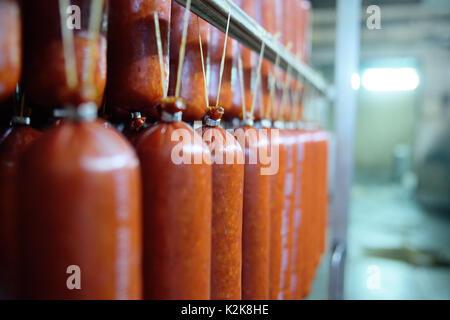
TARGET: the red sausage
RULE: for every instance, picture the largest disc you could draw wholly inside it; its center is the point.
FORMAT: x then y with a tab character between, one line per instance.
299	217
256	219
192	85
235	111
10	47
276	221
307	235
290	185
267	8
249	61
16	140
321	145
44	76
177	209
81	206
227	199
215	52
134	74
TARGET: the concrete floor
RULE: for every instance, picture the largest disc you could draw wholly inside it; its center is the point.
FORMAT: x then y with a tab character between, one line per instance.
396	248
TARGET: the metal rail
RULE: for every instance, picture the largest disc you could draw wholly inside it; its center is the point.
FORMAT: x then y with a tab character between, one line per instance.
248	32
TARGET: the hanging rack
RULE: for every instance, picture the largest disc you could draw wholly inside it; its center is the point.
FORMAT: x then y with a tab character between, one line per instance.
248	32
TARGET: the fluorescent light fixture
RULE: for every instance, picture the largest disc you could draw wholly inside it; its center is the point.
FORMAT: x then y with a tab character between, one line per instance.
390	79
356	81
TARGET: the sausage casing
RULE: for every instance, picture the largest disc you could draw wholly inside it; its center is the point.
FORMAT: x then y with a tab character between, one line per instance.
134	73
16	140
256	222
10	47
192	87
81	207
44	68
227	200
177	215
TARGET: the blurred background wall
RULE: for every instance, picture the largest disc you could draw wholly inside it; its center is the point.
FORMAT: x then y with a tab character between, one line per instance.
399	219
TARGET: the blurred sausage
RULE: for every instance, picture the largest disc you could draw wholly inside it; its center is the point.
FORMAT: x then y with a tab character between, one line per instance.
134	74
192	83
227	200
256	217
44	75
12	144
216	46
276	221
10	47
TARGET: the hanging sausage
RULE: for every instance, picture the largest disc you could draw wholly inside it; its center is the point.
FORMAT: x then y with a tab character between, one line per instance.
290	186
10	47
135	79
243	92
256	217
190	90
267	8
299	220
177	195
256	205
227	178
216	79
227	198
276	222
306	232
80	229
177	208
321	140
12	144
46	59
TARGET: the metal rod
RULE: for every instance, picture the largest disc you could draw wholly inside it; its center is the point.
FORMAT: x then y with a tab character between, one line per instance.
347	63
248	32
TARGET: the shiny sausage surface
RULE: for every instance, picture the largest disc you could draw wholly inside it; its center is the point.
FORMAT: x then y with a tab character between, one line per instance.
177	215
227	201
10	47
276	221
307	245
256	226
81	206
44	76
290	185
192	83
12	144
298	218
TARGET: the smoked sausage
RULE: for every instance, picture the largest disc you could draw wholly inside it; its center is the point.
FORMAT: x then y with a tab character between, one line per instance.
290	185
44	74
307	233
12	144
256	217
276	221
267	8
299	217
192	87
216	46
227	199
80	214
134	73
177	208
10	47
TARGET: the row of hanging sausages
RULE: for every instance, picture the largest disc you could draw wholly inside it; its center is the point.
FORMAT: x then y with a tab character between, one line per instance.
78	195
